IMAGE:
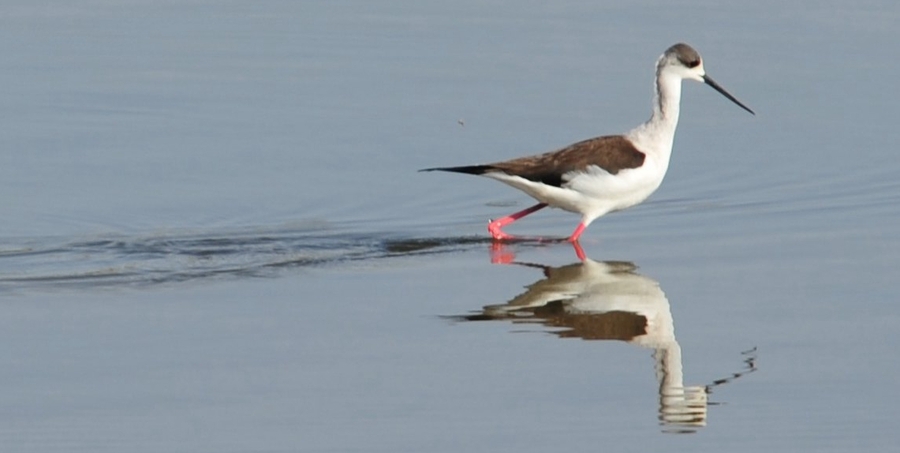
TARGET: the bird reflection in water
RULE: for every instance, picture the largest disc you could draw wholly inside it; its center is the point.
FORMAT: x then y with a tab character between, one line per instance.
609	300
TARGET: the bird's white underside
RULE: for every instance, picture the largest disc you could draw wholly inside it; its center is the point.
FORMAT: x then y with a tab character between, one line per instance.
593	192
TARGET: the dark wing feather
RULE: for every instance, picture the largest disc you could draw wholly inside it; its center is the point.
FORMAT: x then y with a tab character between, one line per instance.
612	153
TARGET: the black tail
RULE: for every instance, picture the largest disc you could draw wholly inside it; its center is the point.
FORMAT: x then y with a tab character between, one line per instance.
469	169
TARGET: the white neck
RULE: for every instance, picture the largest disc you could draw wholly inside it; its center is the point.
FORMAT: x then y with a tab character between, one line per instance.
658	133
666	101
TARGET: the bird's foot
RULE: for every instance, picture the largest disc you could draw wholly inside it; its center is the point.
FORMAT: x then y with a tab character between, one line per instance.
494	227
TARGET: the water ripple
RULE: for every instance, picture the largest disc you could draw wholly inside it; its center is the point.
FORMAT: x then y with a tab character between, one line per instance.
142	260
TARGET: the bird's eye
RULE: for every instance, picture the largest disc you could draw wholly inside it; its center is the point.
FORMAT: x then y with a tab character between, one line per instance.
693	63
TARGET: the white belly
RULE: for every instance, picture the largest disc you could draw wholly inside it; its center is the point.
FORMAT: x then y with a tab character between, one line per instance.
594	192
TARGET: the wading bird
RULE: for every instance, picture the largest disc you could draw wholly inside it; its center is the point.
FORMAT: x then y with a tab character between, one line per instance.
604	174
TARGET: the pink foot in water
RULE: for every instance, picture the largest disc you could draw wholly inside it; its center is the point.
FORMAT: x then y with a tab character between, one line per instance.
494	227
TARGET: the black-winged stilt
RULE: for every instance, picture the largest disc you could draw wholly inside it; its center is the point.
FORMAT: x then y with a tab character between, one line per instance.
604	174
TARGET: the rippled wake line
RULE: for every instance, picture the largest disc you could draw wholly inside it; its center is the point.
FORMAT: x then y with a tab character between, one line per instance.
159	259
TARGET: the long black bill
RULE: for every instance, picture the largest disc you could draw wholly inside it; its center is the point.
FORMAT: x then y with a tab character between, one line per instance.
709	81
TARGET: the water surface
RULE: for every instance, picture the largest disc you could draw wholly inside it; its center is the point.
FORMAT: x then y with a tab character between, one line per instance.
214	237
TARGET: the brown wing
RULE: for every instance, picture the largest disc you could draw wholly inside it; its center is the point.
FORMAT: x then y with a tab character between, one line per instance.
612	153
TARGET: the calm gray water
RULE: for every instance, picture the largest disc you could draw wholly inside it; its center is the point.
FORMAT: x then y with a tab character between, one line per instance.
214	237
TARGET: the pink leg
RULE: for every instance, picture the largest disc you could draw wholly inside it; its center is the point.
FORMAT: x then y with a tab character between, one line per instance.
494	227
577	233
579	252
